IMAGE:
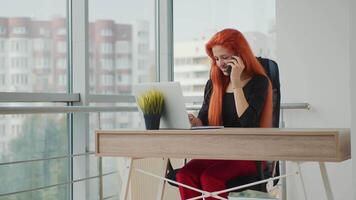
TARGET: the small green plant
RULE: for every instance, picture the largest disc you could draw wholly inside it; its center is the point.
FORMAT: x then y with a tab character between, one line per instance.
151	102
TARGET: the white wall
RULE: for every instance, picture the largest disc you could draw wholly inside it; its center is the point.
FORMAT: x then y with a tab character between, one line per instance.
353	85
314	60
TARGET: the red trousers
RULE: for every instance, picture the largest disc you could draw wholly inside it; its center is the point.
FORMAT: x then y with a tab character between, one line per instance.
211	175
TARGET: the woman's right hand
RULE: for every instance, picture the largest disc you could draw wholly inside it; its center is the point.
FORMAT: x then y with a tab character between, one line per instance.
238	67
194	121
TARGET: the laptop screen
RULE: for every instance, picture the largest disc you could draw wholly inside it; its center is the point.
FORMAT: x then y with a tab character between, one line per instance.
174	114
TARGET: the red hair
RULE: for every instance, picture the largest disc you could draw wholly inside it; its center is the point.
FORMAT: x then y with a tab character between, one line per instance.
234	41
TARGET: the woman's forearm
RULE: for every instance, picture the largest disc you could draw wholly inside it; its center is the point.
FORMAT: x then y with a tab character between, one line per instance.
241	103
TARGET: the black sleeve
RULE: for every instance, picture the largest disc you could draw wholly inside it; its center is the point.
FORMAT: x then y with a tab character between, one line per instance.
203	113
256	99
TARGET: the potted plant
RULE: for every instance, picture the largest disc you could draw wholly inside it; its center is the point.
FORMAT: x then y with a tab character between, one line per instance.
151	103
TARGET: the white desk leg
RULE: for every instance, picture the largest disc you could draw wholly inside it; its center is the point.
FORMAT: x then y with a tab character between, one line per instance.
126	178
162	183
324	175
302	180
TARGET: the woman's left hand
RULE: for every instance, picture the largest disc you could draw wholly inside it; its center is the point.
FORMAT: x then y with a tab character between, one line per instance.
238	67
194	121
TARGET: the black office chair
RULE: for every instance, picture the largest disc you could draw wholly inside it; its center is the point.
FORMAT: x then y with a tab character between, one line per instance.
271	69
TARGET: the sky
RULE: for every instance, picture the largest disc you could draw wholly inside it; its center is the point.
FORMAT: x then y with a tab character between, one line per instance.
193	19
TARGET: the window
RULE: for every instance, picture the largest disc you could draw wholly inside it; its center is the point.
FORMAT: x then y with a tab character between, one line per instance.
19	62
107	63
42	62
19	45
107	79
106	48
19	30
123	62
2	45
2	130
62	79
62	63
142	35
123	79
45	32
19	79
2	30
62	31
254	18
61	47
2	80
119	23
131	36
31	136
141	64
41	44
123	47
106	32
142	48
35	55
2	63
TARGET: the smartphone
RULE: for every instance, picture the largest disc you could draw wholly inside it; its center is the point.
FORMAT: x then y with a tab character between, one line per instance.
229	67
228	70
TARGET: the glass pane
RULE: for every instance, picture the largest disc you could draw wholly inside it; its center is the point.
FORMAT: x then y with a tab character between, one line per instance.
57	193
26	137
196	21
113	121
121	45
117	121
33	46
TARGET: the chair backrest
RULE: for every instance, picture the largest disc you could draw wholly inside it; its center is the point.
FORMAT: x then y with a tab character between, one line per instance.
272	71
271	68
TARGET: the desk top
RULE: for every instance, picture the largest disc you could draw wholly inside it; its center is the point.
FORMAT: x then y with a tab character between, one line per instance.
229	143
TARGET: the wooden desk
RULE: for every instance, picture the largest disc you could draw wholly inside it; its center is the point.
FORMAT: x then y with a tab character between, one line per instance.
320	145
332	145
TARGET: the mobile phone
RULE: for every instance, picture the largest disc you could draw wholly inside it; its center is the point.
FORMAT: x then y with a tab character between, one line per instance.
229	67
228	70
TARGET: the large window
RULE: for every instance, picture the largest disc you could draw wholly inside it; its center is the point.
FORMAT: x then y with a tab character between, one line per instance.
196	21
33	137
31	143
121	40
26	36
121	53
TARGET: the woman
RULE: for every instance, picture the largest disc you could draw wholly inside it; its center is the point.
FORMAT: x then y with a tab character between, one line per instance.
242	98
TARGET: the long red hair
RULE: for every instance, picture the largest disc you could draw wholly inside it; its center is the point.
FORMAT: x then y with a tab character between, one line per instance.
234	41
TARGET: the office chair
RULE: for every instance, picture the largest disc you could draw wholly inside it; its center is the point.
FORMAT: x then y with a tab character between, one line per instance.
272	168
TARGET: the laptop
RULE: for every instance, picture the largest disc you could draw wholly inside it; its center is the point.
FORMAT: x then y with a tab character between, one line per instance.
174	114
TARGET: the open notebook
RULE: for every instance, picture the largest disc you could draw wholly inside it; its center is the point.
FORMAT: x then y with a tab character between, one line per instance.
174	115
